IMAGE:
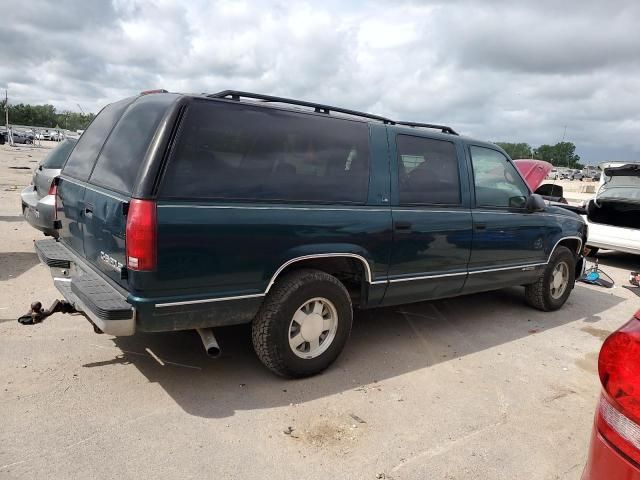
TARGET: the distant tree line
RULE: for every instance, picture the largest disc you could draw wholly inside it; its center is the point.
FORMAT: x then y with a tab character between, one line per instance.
562	154
45	116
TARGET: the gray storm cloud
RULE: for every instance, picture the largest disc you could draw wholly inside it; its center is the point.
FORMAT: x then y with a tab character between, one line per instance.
497	70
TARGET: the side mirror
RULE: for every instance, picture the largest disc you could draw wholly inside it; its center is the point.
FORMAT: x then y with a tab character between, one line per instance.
535	203
517	202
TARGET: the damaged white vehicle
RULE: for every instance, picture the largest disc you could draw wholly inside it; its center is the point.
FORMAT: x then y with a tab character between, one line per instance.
613	215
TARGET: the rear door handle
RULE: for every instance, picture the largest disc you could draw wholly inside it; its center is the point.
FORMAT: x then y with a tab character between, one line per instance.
402	225
88	209
480	226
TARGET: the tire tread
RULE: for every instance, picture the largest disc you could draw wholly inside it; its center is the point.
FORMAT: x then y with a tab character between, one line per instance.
266	347
536	292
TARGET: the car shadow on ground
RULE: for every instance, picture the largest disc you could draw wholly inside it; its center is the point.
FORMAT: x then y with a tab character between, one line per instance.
385	343
14	264
611	258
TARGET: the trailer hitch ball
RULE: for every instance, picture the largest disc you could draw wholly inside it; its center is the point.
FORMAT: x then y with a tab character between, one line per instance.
37	314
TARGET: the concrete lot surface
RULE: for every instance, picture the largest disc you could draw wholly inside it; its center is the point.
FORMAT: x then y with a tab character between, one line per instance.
478	387
576	191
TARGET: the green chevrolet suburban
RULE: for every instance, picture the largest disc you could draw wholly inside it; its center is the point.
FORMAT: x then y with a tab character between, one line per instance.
179	212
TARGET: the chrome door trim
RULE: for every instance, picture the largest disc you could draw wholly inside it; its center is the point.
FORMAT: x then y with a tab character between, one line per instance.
275	207
368	274
209	300
426	277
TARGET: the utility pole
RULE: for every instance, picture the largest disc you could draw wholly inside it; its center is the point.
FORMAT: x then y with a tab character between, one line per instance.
81	110
6	117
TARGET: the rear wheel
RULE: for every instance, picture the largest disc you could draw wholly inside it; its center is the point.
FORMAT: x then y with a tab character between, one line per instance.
553	287
303	324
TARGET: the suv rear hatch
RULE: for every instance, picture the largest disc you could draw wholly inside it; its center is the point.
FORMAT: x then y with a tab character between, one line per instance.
617	202
100	177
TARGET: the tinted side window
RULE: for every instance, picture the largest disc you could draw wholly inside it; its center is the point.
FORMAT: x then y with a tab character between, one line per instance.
56	157
427	171
496	179
120	159
84	155
245	152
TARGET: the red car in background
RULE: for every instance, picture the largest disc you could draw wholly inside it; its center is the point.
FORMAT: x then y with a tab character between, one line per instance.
534	173
614	453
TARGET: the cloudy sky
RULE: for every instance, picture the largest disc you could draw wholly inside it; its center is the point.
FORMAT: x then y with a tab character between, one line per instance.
496	69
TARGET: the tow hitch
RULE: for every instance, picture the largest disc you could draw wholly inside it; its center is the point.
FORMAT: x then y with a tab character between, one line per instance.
38	314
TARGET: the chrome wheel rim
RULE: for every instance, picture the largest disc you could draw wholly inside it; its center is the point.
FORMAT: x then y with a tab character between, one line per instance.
313	328
559	279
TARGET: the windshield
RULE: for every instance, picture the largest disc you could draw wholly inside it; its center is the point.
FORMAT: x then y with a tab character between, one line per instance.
56	157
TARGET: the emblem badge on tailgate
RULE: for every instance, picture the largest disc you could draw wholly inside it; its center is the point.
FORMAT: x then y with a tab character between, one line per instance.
112	262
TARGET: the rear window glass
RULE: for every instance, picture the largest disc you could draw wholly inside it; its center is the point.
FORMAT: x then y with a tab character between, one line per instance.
243	152
120	159
427	171
56	157
83	157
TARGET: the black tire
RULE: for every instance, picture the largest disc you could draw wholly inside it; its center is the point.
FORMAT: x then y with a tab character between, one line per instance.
270	328
28	141
539	294
593	251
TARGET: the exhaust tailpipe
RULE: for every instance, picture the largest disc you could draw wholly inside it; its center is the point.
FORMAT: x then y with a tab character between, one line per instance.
209	341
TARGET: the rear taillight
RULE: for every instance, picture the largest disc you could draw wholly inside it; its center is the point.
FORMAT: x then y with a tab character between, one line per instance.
618	416
53	190
141	235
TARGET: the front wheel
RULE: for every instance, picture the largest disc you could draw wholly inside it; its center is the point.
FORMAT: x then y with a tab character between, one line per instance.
553	287
303	324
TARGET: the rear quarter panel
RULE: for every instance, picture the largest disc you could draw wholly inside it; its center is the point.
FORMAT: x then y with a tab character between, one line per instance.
235	249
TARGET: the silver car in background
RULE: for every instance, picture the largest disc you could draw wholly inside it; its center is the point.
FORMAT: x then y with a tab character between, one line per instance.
38	200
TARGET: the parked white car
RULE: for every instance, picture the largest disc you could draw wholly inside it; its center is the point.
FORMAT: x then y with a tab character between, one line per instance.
57	136
613	215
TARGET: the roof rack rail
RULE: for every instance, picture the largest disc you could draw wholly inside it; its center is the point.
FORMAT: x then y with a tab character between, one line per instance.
442	128
326	109
318	108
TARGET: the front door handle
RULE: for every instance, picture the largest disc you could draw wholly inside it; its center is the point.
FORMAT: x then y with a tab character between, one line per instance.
480	226
400	225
